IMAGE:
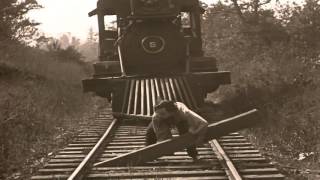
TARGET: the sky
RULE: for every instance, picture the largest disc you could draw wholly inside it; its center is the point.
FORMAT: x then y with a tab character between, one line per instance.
68	16
63	16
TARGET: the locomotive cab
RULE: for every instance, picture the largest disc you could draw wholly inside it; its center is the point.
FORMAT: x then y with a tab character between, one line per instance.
154	50
159	34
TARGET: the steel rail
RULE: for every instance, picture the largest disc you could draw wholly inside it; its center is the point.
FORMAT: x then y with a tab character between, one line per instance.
225	161
79	172
216	162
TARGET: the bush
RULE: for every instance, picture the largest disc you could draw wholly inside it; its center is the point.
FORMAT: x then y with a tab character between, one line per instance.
280	78
42	106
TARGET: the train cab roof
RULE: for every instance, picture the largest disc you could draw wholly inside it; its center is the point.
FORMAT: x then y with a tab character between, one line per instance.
125	8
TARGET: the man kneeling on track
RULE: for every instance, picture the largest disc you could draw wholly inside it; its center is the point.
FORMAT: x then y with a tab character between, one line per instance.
169	114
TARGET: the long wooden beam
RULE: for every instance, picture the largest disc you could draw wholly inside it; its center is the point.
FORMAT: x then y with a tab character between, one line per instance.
170	146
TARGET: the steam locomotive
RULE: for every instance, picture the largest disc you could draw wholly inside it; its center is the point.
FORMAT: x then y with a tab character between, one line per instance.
154	50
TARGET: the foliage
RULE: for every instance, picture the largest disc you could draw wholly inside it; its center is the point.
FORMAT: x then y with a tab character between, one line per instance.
90	49
14	25
274	60
63	52
41	100
42	106
303	26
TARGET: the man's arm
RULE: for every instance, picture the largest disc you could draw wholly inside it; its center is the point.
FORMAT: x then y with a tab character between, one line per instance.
161	129
196	122
156	125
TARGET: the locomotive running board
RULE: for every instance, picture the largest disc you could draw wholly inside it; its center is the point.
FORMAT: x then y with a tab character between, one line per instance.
152	152
141	95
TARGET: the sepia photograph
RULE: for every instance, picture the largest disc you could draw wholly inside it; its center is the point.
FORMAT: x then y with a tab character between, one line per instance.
160	89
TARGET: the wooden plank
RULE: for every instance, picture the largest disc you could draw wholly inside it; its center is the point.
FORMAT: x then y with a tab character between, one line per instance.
243	152
177	162
70	156
257	159
128	140
61	165
127	143
122	151
50	177
126	147
233	140
236	144
157	174
55	171
119	151
239	148
82	145
70	152
264	177
132	137
152	168
154	151
80	142
245	155
232	137
164	158
79	160
259	171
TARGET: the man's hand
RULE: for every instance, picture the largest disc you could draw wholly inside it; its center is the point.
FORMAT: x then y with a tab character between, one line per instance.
201	136
199	128
200	132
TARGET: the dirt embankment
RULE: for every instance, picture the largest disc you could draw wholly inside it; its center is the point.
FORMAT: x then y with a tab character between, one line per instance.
42	107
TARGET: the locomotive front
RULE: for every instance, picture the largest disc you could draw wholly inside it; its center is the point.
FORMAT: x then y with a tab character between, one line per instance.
154	51
152	41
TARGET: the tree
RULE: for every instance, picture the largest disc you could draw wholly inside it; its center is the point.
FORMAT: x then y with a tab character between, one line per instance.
254	20
65	40
91	36
75	42
14	25
303	24
53	45
69	53
252	9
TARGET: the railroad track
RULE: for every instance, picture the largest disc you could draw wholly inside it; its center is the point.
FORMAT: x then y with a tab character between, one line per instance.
230	157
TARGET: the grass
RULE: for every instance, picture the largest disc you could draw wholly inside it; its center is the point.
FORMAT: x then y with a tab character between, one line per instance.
42	107
286	91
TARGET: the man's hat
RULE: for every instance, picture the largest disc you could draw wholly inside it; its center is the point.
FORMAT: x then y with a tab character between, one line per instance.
170	106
